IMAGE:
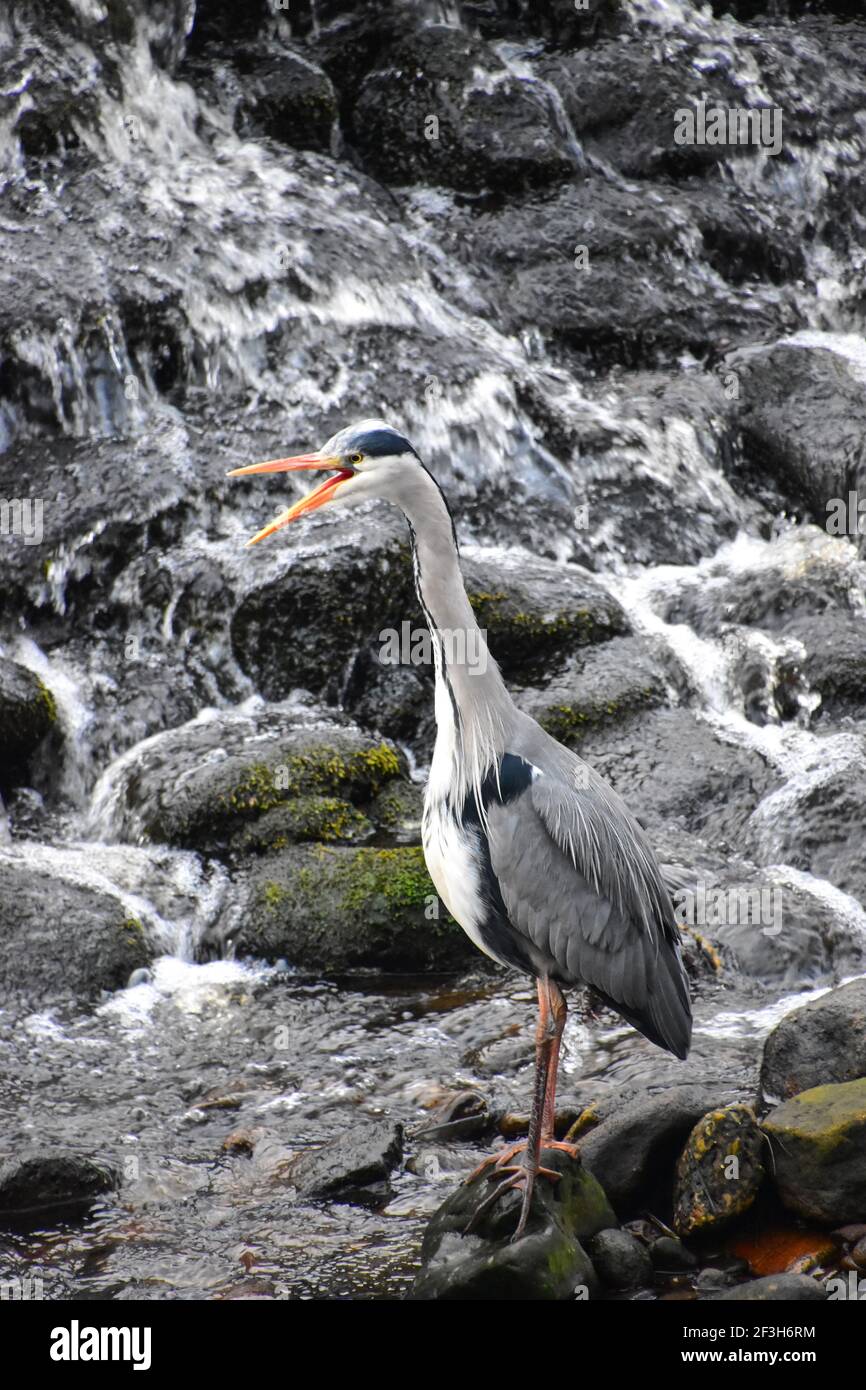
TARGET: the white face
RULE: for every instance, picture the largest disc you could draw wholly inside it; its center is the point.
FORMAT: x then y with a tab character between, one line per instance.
357	464
375	475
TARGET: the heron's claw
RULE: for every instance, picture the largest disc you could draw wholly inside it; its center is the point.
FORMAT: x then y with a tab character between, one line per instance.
510	1175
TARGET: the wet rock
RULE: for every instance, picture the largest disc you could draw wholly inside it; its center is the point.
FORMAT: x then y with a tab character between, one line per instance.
633	1150
669	767
289	99
776	1288
354	1167
814	825
245	781
64	938
834	664
623	105
549	1262
818	1143
819	1148
603	686
558	22
27	715
720	1171
329	909
668	1254
305	628
802	418
761	922
620	1261
821	1043
580	280
33	1185
536	613
83	540
442	107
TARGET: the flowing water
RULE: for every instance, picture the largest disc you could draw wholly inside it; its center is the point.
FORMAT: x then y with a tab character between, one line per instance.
282	274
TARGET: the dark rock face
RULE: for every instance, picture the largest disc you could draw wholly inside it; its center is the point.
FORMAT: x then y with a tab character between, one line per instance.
802	417
353	1168
822	1042
27	715
442	107
634	1149
818	1139
32	1186
61	938
549	1261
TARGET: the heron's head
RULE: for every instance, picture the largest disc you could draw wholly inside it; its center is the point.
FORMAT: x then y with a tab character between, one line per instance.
370	459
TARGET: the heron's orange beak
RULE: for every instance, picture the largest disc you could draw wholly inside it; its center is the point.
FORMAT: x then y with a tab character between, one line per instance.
315	499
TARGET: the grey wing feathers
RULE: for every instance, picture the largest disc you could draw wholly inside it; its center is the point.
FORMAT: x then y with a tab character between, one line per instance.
579	881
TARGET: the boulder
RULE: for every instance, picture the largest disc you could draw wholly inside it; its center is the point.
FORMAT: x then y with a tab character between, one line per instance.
549	1262
775	1288
60	938
442	107
45	1186
818	1143
327	909
719	1172
823	1042
250	779
27	715
352	1168
633	1151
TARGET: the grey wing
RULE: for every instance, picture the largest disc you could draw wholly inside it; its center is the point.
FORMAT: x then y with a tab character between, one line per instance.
580	884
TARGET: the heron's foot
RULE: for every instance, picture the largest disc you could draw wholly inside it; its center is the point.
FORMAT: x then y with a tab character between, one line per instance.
508	1176
496	1160
563	1146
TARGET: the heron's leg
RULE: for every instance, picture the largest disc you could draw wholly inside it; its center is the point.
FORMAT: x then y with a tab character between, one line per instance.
546	1030
525	1174
559	1013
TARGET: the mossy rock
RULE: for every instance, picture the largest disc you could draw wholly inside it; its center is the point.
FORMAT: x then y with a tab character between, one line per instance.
330	909
236	783
548	1263
326	819
537	614
27	714
818	1142
601	687
720	1170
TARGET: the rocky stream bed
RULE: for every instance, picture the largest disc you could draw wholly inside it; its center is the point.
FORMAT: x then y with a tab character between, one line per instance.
245	1052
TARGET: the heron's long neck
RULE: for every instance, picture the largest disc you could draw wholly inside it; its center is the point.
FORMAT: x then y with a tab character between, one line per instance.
471	696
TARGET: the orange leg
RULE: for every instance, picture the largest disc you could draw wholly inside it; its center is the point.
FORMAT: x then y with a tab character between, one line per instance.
548	1036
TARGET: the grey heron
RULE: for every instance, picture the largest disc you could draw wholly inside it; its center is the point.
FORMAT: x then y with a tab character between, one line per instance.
532	852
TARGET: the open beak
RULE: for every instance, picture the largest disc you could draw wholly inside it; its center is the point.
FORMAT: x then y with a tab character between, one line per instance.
315	499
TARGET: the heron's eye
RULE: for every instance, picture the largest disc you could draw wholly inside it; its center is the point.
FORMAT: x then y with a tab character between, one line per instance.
356	458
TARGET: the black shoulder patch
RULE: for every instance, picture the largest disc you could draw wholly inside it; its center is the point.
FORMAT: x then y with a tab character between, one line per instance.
500	786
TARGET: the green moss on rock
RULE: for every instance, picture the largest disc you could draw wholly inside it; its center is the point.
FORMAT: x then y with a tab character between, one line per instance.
331	908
